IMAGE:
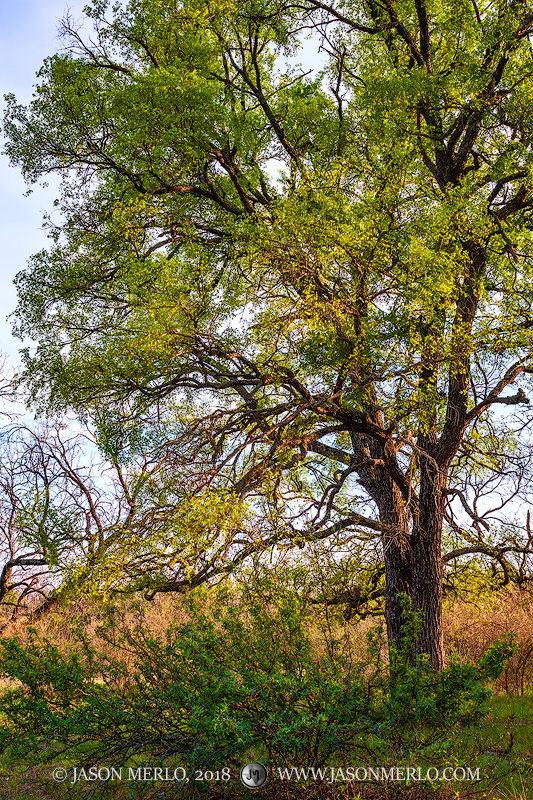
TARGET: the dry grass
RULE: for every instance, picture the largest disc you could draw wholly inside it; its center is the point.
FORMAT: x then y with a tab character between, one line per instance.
472	626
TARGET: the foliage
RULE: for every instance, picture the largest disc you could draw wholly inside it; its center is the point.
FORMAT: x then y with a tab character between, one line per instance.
237	678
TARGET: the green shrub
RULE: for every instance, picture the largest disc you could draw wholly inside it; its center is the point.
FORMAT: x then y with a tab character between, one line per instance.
240	678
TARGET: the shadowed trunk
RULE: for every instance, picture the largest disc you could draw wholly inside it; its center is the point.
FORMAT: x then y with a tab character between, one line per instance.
397	559
427	563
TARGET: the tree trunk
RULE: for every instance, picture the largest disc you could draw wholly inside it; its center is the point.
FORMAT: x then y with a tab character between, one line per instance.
412	558
397	559
427	562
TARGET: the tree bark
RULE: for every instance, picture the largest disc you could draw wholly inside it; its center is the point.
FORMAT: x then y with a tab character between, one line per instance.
397	560
426	559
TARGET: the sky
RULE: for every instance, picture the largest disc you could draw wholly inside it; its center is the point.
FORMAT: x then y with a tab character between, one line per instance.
28	33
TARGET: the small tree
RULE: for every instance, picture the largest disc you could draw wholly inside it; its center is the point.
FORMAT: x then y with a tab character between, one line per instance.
320	281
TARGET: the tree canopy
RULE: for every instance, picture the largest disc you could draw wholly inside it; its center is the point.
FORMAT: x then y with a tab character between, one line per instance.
304	290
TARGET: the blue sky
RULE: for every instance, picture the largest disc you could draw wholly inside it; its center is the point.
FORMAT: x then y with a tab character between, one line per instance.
28	33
